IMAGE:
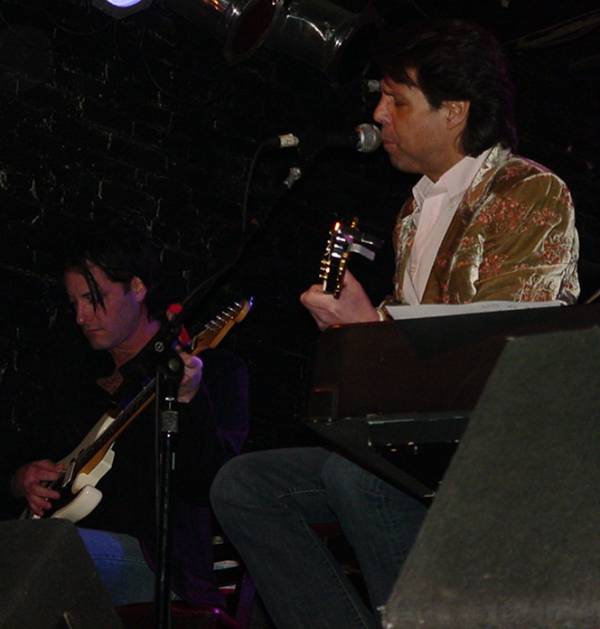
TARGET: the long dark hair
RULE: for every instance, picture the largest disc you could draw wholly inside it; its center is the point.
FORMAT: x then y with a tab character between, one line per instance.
122	252
456	60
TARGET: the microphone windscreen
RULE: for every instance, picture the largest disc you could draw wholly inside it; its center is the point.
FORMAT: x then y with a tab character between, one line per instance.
369	138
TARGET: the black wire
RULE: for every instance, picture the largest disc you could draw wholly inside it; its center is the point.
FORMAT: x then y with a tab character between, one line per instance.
247	234
253	163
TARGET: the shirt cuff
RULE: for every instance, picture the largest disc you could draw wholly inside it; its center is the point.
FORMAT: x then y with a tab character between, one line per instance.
383	314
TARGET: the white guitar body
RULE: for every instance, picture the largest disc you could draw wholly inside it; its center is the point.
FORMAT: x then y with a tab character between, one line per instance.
83	504
87	497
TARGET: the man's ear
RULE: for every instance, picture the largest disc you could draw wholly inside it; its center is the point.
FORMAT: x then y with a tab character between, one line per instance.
457	112
139	289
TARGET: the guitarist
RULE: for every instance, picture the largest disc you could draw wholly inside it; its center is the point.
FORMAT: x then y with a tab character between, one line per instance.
112	280
482	224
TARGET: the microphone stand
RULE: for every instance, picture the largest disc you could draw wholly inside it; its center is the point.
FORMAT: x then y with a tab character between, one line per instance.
169	371
168	376
160	357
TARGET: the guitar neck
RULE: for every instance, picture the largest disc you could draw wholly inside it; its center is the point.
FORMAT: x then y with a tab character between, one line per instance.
134	407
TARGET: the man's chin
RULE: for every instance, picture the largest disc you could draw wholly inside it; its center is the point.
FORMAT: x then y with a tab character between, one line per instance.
402	163
96	345
96	341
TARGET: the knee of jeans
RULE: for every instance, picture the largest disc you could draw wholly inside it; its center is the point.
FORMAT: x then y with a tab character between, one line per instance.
223	488
352	489
235	484
343	479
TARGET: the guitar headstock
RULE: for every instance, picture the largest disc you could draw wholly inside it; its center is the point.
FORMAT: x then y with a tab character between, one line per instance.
344	239
216	329
335	258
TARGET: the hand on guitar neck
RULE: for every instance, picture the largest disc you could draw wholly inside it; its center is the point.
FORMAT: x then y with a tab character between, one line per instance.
340	298
192	376
352	306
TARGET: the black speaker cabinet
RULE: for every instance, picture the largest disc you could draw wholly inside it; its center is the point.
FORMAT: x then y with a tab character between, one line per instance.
47	579
512	539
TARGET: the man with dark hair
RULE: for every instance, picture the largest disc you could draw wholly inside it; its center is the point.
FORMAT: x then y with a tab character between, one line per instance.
112	280
465	63
482	224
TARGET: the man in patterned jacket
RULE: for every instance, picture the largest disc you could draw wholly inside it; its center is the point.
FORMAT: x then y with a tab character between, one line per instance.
482	224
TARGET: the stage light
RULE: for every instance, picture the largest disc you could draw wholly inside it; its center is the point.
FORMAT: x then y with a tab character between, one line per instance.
241	25
121	8
325	36
318	32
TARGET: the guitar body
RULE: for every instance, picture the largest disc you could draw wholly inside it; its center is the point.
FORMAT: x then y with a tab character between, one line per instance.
83	504
97	429
83	484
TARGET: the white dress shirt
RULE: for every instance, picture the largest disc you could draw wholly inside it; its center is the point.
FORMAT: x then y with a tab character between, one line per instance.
437	203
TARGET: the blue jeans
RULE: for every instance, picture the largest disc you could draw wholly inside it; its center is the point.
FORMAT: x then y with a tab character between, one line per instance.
266	502
127	571
120	565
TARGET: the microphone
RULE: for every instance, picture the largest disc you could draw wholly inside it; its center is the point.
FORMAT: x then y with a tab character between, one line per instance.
364	138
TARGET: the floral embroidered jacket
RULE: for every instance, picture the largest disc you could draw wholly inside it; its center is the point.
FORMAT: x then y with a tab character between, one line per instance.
513	238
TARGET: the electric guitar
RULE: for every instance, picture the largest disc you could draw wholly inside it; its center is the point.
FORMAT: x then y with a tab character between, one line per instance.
93	457
343	240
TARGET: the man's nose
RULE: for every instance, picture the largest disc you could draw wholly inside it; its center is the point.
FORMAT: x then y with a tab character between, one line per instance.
83	312
380	113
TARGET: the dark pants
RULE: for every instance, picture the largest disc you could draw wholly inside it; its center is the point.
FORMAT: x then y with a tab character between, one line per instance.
266	502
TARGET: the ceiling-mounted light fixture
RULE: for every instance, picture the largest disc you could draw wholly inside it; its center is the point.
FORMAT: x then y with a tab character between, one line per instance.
241	25
121	8
325	36
318	32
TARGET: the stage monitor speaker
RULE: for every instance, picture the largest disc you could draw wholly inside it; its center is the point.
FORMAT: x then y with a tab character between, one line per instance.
48	581
512	539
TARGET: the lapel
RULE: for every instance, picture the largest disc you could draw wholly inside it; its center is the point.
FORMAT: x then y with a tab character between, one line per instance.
436	290
404	236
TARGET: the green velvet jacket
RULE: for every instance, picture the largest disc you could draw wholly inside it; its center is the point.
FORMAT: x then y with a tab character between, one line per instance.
513	238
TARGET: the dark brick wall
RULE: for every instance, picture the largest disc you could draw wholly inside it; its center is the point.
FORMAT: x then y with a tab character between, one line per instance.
143	120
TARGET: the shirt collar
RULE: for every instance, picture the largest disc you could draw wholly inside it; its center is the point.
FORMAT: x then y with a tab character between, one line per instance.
453	182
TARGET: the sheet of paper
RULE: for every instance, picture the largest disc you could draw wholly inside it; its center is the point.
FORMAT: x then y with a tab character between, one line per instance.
445	310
